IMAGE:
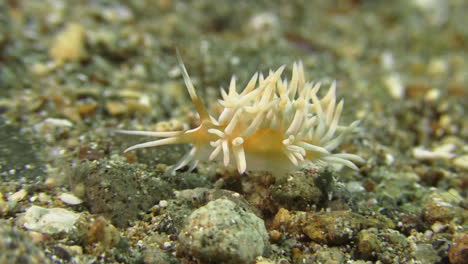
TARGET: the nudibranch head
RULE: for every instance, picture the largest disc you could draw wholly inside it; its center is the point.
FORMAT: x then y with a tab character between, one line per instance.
271	125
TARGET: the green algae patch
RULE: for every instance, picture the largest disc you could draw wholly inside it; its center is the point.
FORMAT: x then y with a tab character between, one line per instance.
119	190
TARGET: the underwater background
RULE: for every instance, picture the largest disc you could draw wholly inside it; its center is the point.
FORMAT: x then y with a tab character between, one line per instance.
71	72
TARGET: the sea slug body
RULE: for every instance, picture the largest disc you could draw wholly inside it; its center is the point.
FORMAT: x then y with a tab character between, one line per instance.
271	125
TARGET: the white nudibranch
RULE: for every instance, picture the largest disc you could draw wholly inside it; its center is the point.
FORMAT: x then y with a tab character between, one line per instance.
271	125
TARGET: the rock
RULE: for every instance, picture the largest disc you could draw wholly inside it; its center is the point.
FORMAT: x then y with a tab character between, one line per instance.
461	162
224	232
282	219
458	253
394	85
18	196
118	190
154	254
297	191
3	206
49	221
69	44
442	152
333	228
116	108
331	255
369	245
383	246
425	253
436	209
101	235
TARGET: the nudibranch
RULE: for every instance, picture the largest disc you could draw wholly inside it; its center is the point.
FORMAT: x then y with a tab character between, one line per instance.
271	125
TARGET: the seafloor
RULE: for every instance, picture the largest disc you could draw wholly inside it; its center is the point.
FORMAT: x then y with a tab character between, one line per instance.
73	71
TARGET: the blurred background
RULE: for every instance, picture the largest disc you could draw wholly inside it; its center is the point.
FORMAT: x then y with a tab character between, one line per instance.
72	71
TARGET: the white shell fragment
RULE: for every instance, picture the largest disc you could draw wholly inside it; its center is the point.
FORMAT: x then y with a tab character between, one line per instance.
70	199
461	162
442	152
49	221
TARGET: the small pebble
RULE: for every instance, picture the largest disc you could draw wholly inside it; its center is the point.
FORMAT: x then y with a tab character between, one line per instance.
3	206
18	196
69	45
44	197
50	182
166	245
70	199
461	162
458	252
394	85
223	232
163	203
442	152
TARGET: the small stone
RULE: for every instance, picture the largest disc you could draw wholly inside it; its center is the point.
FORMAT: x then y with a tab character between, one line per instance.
262	22
355	187
409	222
50	182
74	250
425	253
18	196
71	113
163	203
224	232
282	219
438	210
49	221
41	69
330	255
36	237
52	123
275	235
87	108
88	153
394	85
69	44
103	186
3	206
101	235
298	191
117	13
166	245
382	245
70	199
154	254
458	252
369	244
438	227
44	197
437	67
432	95
262	260
116	108
442	152
387	60
461	162
333	228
